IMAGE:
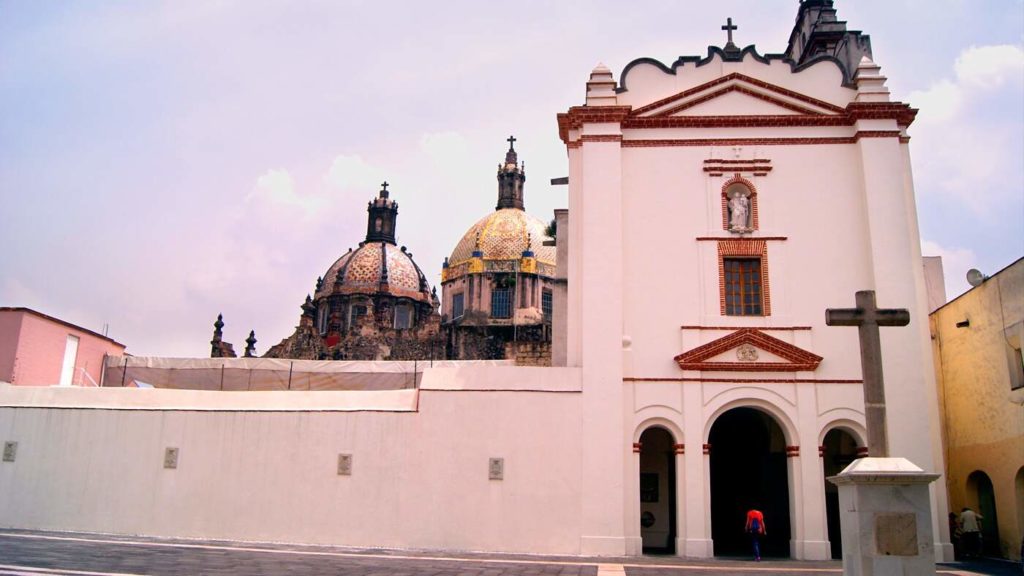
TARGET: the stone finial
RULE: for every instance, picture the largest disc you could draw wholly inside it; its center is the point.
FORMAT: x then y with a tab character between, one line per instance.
601	87
250	344
870	82
218	327
319	283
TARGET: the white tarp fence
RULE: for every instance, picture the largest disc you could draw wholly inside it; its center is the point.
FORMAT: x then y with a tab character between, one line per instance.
271	373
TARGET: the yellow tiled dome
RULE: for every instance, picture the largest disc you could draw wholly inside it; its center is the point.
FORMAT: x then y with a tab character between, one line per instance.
504	235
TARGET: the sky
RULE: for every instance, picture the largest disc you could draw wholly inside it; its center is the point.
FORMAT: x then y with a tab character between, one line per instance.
163	162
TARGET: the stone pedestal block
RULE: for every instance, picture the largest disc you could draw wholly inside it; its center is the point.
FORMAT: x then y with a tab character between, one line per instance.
885	514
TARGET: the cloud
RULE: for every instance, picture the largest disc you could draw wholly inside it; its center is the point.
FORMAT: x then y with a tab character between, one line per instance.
350	173
968	134
955	264
277	188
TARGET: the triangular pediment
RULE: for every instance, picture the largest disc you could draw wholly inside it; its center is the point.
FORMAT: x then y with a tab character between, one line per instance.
737	95
748	350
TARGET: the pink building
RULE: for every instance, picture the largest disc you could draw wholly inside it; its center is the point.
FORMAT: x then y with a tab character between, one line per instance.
40	350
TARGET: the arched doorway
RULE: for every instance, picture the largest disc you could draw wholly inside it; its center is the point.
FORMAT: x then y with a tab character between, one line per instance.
839	450
979	488
748	469
658	491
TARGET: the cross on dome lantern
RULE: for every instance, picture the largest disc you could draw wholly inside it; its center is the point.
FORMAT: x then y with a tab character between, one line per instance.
384	189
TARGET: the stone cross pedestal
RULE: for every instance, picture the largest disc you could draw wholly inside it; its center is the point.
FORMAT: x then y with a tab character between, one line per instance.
886	518
884	505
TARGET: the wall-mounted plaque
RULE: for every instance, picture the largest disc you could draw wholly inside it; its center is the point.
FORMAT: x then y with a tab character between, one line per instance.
10	451
344	464
496	469
171	458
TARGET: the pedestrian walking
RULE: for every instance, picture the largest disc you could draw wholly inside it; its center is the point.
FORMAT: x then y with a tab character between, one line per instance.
755	527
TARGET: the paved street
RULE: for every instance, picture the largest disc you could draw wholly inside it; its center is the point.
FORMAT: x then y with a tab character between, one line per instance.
25	553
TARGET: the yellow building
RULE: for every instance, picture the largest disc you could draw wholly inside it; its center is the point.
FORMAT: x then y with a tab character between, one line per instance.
977	343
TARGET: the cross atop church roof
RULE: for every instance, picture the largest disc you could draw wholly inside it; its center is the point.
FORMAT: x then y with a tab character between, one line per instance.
384	189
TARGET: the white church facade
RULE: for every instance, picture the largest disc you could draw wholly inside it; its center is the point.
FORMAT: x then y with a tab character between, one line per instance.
717	208
737	197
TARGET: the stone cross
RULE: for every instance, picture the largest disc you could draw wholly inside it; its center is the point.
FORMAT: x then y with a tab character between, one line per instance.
867	317
729	28
511	142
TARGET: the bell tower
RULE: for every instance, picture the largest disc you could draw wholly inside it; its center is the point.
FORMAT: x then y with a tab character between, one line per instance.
383	213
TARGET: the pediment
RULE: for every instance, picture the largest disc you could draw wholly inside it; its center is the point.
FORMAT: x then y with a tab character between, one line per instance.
748	350
737	95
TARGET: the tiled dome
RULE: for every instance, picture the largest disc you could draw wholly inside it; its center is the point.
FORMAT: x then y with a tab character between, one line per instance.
504	235
361	272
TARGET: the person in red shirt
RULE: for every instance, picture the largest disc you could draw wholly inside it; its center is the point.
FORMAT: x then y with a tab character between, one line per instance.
755	527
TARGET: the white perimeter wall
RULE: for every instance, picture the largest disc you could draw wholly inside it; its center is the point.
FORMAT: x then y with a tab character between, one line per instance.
419	478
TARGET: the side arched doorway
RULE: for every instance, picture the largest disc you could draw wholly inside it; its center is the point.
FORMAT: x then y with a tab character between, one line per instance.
748	470
658	491
979	489
839	449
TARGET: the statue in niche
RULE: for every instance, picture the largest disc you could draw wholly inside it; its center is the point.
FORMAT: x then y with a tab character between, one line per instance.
739	211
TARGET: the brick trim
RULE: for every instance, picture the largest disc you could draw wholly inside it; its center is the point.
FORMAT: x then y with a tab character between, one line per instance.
821	451
862	452
736	88
797	141
679	448
637	447
799	360
739	248
601	138
763	238
766	328
706	449
749	380
744	78
737	179
792	451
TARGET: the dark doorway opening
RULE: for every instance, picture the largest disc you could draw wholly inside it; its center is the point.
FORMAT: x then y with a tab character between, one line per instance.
748	470
658	491
840	451
979	485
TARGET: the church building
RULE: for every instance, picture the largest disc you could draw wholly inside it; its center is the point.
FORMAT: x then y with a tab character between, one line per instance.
771	187
373	303
718	206
497	283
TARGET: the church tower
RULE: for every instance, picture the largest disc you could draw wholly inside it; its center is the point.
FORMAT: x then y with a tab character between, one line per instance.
382	216
511	178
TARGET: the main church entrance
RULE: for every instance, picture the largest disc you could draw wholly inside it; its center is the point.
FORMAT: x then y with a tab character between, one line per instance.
748	470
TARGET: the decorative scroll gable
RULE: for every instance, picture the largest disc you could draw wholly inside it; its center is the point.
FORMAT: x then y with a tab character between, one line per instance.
753	351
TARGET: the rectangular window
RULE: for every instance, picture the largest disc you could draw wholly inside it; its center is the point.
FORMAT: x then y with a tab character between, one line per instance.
403	318
355	313
1016	368
545	304
458	305
743	287
501	303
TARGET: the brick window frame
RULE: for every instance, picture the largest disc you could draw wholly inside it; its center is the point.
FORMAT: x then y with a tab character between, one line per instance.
744	248
737	179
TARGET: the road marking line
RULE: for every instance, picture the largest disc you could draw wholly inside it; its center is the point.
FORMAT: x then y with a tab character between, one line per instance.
34	570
